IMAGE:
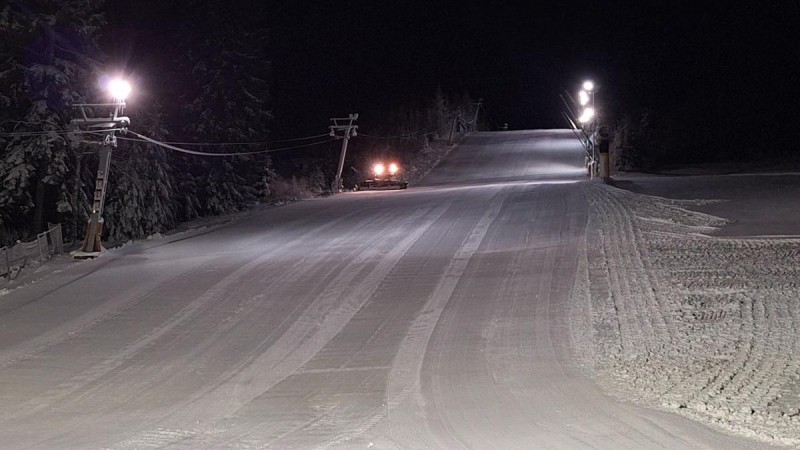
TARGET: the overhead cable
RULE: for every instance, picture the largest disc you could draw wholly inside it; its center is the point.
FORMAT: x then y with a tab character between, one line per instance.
223	144
205	144
194	152
400	136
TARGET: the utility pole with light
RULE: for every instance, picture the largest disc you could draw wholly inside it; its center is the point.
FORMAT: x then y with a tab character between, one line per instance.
586	119
348	129
456	118
477	109
106	128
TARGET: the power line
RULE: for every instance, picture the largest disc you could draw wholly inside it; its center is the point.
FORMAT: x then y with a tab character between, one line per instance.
143	138
411	134
222	144
205	144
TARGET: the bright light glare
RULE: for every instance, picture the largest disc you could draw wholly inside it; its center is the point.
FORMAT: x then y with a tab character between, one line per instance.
378	169
583	97
587	115
392	168
588	85
119	89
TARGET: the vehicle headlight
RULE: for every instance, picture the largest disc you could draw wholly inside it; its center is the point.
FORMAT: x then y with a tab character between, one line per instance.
378	169
392	168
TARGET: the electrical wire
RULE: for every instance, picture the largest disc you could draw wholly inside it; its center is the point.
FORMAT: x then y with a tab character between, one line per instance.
44	133
400	136
222	144
143	138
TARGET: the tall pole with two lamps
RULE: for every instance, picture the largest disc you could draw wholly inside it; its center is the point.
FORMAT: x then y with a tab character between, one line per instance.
586	120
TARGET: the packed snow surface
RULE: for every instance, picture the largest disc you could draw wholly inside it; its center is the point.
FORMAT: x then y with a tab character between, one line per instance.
494	305
706	326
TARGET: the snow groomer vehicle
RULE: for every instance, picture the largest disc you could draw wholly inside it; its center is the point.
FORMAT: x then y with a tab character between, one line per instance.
384	177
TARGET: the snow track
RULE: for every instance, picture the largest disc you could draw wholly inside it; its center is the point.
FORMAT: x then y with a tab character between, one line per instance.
435	317
705	326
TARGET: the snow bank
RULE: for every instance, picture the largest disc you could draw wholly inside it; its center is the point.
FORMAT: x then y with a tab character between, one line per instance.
670	317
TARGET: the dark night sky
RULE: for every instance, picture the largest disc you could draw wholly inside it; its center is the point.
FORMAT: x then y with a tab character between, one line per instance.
732	61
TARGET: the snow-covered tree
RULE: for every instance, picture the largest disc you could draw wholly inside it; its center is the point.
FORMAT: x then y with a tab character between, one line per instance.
44	68
227	100
142	195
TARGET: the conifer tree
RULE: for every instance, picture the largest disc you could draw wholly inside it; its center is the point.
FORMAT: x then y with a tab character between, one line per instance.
142	198
226	98
45	68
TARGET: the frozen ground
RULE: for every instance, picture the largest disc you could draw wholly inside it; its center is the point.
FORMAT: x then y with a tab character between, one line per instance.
493	306
692	311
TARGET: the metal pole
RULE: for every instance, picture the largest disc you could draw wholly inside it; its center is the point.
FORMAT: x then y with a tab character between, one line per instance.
594	147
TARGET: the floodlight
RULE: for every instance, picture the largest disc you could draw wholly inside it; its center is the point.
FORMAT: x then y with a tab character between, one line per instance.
583	97
392	168
119	89
588	85
587	115
378	169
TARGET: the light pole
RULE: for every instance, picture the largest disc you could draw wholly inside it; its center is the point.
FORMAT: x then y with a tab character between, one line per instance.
477	109
106	127
599	135
346	126
586	97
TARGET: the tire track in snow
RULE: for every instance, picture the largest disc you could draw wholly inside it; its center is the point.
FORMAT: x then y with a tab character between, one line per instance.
321	321
403	379
707	326
404	396
122	356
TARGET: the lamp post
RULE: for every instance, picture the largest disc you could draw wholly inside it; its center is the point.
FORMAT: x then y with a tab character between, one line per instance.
106	127
599	135
586	99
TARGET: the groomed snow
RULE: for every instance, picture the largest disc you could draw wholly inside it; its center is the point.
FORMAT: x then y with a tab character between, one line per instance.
672	317
437	317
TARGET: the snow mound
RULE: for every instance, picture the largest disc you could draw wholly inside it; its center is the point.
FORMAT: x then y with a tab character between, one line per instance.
670	317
